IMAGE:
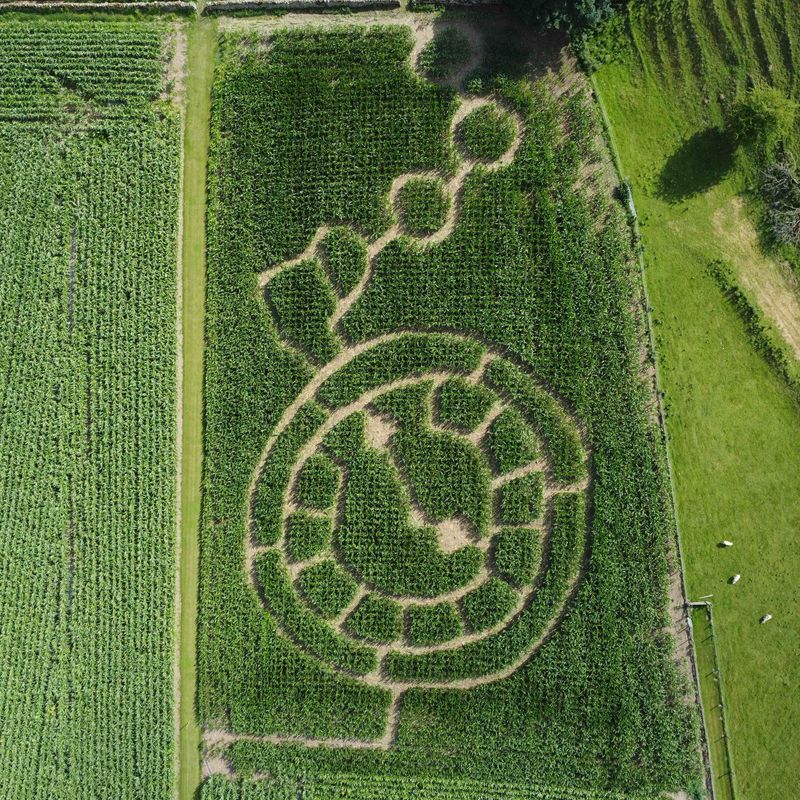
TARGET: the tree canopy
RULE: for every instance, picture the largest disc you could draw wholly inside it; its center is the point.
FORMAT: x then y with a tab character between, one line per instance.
763	119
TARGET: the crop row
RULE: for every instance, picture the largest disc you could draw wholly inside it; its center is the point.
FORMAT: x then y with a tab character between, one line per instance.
87	440
47	72
353	787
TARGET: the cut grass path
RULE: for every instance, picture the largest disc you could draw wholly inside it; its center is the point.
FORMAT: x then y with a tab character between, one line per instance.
200	64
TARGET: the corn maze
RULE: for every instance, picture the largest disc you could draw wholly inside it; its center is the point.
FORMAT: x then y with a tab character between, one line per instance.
436	522
391	522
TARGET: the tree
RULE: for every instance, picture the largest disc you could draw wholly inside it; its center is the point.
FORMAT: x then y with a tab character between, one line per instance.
762	120
781	190
568	14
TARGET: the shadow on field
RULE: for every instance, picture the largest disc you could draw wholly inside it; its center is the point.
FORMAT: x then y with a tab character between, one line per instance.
699	164
510	47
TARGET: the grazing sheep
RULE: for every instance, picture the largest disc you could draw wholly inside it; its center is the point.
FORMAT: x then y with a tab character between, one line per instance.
765	618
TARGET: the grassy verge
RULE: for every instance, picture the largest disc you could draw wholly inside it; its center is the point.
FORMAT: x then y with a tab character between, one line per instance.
734	428
201	43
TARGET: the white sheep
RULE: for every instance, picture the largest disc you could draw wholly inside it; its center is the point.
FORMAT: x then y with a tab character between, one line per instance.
735	579
765	618
726	543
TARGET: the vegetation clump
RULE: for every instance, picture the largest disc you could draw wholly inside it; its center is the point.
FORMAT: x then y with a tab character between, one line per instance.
517	554
345	255
423	204
780	188
567	14
521	499
433	624
763	119
464	405
377	619
307	535
488	604
303	302
511	441
486	133
318	482
328	587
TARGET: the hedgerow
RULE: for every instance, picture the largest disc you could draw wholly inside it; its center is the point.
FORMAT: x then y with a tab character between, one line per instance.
512	443
760	333
89	190
377	619
312	129
317	482
464	405
486	133
432	624
488	604
307	535
521	499
423	205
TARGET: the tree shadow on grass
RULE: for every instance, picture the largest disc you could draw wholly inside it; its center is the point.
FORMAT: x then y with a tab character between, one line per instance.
698	165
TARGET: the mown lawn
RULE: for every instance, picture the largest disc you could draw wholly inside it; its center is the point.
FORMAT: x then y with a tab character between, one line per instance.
735	432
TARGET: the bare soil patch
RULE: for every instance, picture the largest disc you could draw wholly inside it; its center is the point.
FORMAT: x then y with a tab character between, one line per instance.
773	284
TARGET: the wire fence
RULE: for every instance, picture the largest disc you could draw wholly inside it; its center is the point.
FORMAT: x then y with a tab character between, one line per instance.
712	697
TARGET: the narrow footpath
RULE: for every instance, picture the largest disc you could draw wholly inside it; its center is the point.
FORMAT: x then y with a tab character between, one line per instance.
201	43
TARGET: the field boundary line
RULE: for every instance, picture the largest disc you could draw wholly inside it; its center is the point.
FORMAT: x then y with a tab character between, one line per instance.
180	44
152	6
297	6
662	418
731	773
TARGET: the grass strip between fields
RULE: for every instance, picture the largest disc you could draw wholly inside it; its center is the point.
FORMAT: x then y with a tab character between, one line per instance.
200	58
